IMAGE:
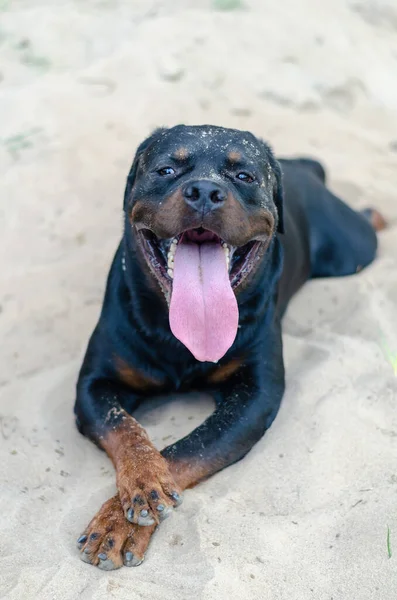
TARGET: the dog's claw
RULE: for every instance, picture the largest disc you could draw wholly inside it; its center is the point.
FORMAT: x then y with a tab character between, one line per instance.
82	539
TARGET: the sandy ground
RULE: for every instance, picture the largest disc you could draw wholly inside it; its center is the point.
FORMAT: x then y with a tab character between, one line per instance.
305	515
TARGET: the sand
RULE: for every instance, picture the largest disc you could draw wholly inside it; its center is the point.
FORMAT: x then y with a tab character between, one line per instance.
305	514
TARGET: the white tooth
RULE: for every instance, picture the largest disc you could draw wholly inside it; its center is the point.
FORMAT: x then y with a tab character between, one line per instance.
170	262
227	256
174	241
171	251
170	273
224	244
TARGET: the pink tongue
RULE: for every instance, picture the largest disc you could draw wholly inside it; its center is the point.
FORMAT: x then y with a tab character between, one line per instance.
203	309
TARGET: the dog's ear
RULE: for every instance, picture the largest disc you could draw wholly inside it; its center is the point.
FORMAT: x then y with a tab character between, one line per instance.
278	195
134	168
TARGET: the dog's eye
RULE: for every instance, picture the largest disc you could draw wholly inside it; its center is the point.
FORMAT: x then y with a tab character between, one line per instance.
246	177
166	171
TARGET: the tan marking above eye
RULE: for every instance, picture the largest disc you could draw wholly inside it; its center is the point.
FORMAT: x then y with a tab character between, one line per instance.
234	156
181	154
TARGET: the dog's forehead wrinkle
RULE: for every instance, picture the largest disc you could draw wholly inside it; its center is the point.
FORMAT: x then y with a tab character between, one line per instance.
219	136
206	144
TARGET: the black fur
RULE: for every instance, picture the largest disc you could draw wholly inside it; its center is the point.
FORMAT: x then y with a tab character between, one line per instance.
323	237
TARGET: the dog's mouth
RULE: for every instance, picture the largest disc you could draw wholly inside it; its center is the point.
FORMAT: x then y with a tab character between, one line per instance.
160	254
199	273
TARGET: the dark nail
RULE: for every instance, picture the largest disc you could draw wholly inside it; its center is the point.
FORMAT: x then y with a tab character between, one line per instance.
110	542
82	539
154	495
144	512
130	514
160	507
129	556
87	551
94	536
165	513
136	562
102	556
177	498
138	500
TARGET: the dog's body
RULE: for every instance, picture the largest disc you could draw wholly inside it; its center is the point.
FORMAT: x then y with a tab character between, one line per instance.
222	193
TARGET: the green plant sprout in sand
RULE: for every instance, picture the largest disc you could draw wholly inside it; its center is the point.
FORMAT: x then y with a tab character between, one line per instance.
390	355
16	144
227	4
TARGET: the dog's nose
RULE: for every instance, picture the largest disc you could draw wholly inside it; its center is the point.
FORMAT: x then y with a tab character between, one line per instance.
204	195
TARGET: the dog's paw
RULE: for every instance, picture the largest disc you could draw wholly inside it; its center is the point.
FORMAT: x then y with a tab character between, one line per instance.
148	492
109	541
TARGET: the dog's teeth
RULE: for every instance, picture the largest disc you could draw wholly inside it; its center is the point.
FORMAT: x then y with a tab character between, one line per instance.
171	251
224	245
227	254
170	256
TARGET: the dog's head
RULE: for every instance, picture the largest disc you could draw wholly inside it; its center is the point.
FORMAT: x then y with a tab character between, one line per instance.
203	203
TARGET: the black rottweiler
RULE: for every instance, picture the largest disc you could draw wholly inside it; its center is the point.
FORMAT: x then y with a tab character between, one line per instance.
218	236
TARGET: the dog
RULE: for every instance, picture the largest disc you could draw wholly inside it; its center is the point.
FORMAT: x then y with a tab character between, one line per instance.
218	236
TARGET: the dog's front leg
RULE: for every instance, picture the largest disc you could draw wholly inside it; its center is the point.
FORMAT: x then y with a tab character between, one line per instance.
246	405
120	532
